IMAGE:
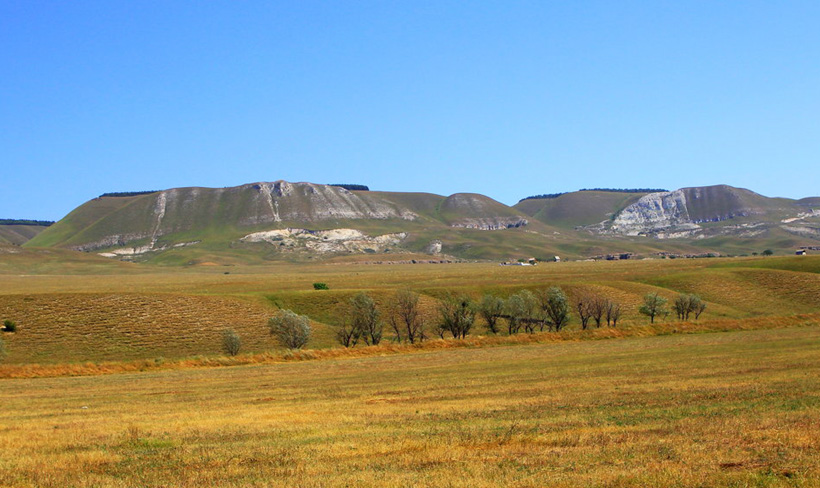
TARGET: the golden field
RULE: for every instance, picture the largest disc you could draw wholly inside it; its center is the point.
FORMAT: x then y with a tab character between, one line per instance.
721	409
115	379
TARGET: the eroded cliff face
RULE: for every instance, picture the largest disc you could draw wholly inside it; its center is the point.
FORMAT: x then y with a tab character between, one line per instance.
186	209
309	202
326	241
683	214
473	211
654	212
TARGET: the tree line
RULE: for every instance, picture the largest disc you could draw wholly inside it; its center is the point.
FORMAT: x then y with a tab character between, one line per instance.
40	223
547	309
127	193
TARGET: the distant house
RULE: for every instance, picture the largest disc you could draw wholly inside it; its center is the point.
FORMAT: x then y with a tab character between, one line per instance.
801	252
557	259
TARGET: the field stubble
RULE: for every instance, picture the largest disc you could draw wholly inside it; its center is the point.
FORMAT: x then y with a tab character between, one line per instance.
732	409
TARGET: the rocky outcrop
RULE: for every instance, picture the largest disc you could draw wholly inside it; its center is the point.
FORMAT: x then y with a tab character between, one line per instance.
326	241
474	211
652	213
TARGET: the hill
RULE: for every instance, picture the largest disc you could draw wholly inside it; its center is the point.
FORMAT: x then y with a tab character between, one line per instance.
283	220
270	221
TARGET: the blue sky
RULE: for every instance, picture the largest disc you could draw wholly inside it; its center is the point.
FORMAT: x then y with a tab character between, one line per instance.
506	98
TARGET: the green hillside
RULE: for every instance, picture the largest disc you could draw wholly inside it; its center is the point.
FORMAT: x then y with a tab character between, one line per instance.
577	208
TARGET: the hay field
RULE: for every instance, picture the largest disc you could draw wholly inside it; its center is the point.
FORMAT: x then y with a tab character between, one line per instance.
723	409
156	313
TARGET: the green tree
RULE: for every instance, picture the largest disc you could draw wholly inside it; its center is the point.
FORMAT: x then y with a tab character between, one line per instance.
555	306
653	306
491	308
290	329
520	308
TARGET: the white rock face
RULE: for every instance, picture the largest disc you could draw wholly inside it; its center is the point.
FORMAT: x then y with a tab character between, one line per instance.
654	212
434	247
326	241
493	223
312	202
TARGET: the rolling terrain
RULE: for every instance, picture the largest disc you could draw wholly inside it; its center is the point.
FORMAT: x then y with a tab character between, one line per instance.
297	222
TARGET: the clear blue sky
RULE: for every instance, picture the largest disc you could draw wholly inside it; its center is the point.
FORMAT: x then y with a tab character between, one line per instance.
505	98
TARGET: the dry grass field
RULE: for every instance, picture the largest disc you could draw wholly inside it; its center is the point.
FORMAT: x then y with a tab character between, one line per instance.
155	313
732	400
723	409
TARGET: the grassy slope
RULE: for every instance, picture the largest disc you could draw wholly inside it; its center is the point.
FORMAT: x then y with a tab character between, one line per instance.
18	234
130	312
578	208
731	409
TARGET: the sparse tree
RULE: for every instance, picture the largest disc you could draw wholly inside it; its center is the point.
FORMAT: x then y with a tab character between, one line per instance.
491	309
653	306
555	306
231	342
365	318
291	329
584	308
597	308
406	318
613	313
456	315
347	335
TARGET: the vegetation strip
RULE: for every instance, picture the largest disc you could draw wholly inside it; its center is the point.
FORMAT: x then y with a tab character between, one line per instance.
114	367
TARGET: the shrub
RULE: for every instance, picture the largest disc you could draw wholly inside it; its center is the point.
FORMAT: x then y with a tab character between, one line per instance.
9	326
290	329
320	286
231	342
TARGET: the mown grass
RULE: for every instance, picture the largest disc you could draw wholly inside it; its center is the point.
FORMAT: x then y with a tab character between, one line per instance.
733	409
147	312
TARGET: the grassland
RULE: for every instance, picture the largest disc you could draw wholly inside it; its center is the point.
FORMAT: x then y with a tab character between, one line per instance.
122	311
732	409
640	405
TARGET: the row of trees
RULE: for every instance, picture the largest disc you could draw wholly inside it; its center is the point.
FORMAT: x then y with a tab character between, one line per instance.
528	311
685	306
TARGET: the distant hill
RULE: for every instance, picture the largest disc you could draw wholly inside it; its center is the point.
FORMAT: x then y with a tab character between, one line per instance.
18	232
266	221
288	220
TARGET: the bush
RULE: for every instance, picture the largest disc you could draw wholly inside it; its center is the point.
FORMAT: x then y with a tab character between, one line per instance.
9	326
231	342
320	286
290	329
